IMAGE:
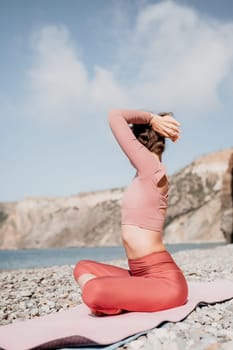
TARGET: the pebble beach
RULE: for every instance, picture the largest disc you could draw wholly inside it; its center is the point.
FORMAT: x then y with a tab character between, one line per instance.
30	293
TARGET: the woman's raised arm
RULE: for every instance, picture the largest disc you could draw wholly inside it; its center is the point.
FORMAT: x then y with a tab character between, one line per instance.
140	157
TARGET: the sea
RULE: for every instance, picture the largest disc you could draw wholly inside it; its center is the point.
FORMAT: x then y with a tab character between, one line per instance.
34	258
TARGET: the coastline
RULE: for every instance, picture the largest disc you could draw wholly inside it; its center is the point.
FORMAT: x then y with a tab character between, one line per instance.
28	293
14	259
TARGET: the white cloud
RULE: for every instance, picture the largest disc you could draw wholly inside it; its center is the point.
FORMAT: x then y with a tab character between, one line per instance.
58	87
184	59
172	58
57	83
105	90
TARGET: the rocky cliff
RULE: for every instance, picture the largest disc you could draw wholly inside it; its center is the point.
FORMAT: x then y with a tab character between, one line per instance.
227	202
200	209
198	203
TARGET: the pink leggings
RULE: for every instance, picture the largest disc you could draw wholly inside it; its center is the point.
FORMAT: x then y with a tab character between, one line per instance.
154	282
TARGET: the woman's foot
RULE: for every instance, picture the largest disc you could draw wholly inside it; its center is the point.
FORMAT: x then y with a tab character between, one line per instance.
102	313
83	279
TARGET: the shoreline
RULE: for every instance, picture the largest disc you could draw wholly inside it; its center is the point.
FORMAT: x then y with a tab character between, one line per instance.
33	258
28	293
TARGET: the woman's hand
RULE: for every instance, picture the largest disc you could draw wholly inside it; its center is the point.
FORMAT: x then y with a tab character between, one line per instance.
166	126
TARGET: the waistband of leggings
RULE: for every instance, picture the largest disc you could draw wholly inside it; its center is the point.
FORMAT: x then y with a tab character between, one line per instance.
154	257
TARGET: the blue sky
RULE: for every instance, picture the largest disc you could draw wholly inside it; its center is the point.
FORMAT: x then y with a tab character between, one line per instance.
66	63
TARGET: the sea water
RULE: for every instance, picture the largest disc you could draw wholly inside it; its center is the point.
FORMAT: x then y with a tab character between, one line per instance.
30	258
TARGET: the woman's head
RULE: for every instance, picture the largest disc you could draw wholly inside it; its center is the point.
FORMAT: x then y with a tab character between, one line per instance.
150	138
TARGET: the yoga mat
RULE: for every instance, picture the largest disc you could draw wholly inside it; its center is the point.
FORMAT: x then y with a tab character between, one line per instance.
108	347
77	327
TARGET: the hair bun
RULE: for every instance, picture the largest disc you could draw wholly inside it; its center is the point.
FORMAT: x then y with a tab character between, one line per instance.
149	138
162	114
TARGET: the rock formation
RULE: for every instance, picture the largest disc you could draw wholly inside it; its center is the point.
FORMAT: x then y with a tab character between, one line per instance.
88	219
227	203
200	209
195	208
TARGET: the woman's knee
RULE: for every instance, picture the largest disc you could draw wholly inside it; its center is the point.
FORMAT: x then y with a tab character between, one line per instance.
93	294
81	268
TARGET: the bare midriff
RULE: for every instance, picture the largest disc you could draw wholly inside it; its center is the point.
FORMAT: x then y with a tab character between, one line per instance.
139	241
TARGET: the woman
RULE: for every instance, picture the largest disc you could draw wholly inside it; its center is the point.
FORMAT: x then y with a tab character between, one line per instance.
153	282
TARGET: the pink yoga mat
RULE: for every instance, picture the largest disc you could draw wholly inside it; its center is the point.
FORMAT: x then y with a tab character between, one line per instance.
76	326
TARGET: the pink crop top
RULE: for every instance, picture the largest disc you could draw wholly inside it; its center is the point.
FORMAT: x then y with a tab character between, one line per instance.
142	201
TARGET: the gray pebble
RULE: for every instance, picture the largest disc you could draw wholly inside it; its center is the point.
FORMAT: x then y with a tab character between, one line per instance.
153	344
227	345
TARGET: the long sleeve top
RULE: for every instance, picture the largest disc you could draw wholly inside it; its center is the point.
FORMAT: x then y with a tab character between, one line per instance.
142	200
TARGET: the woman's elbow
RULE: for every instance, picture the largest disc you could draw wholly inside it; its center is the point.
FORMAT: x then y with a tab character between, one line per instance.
111	116
112	113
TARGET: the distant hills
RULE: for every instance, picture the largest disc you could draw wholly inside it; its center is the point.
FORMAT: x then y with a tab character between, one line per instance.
200	209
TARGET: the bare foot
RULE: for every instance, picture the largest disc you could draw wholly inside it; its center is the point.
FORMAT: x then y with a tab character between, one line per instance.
99	313
83	279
